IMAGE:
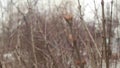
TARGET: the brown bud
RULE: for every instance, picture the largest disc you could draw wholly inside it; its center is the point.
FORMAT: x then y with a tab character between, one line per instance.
70	37
83	62
102	36
68	17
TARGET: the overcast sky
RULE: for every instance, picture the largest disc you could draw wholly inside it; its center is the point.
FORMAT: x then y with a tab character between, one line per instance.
88	4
